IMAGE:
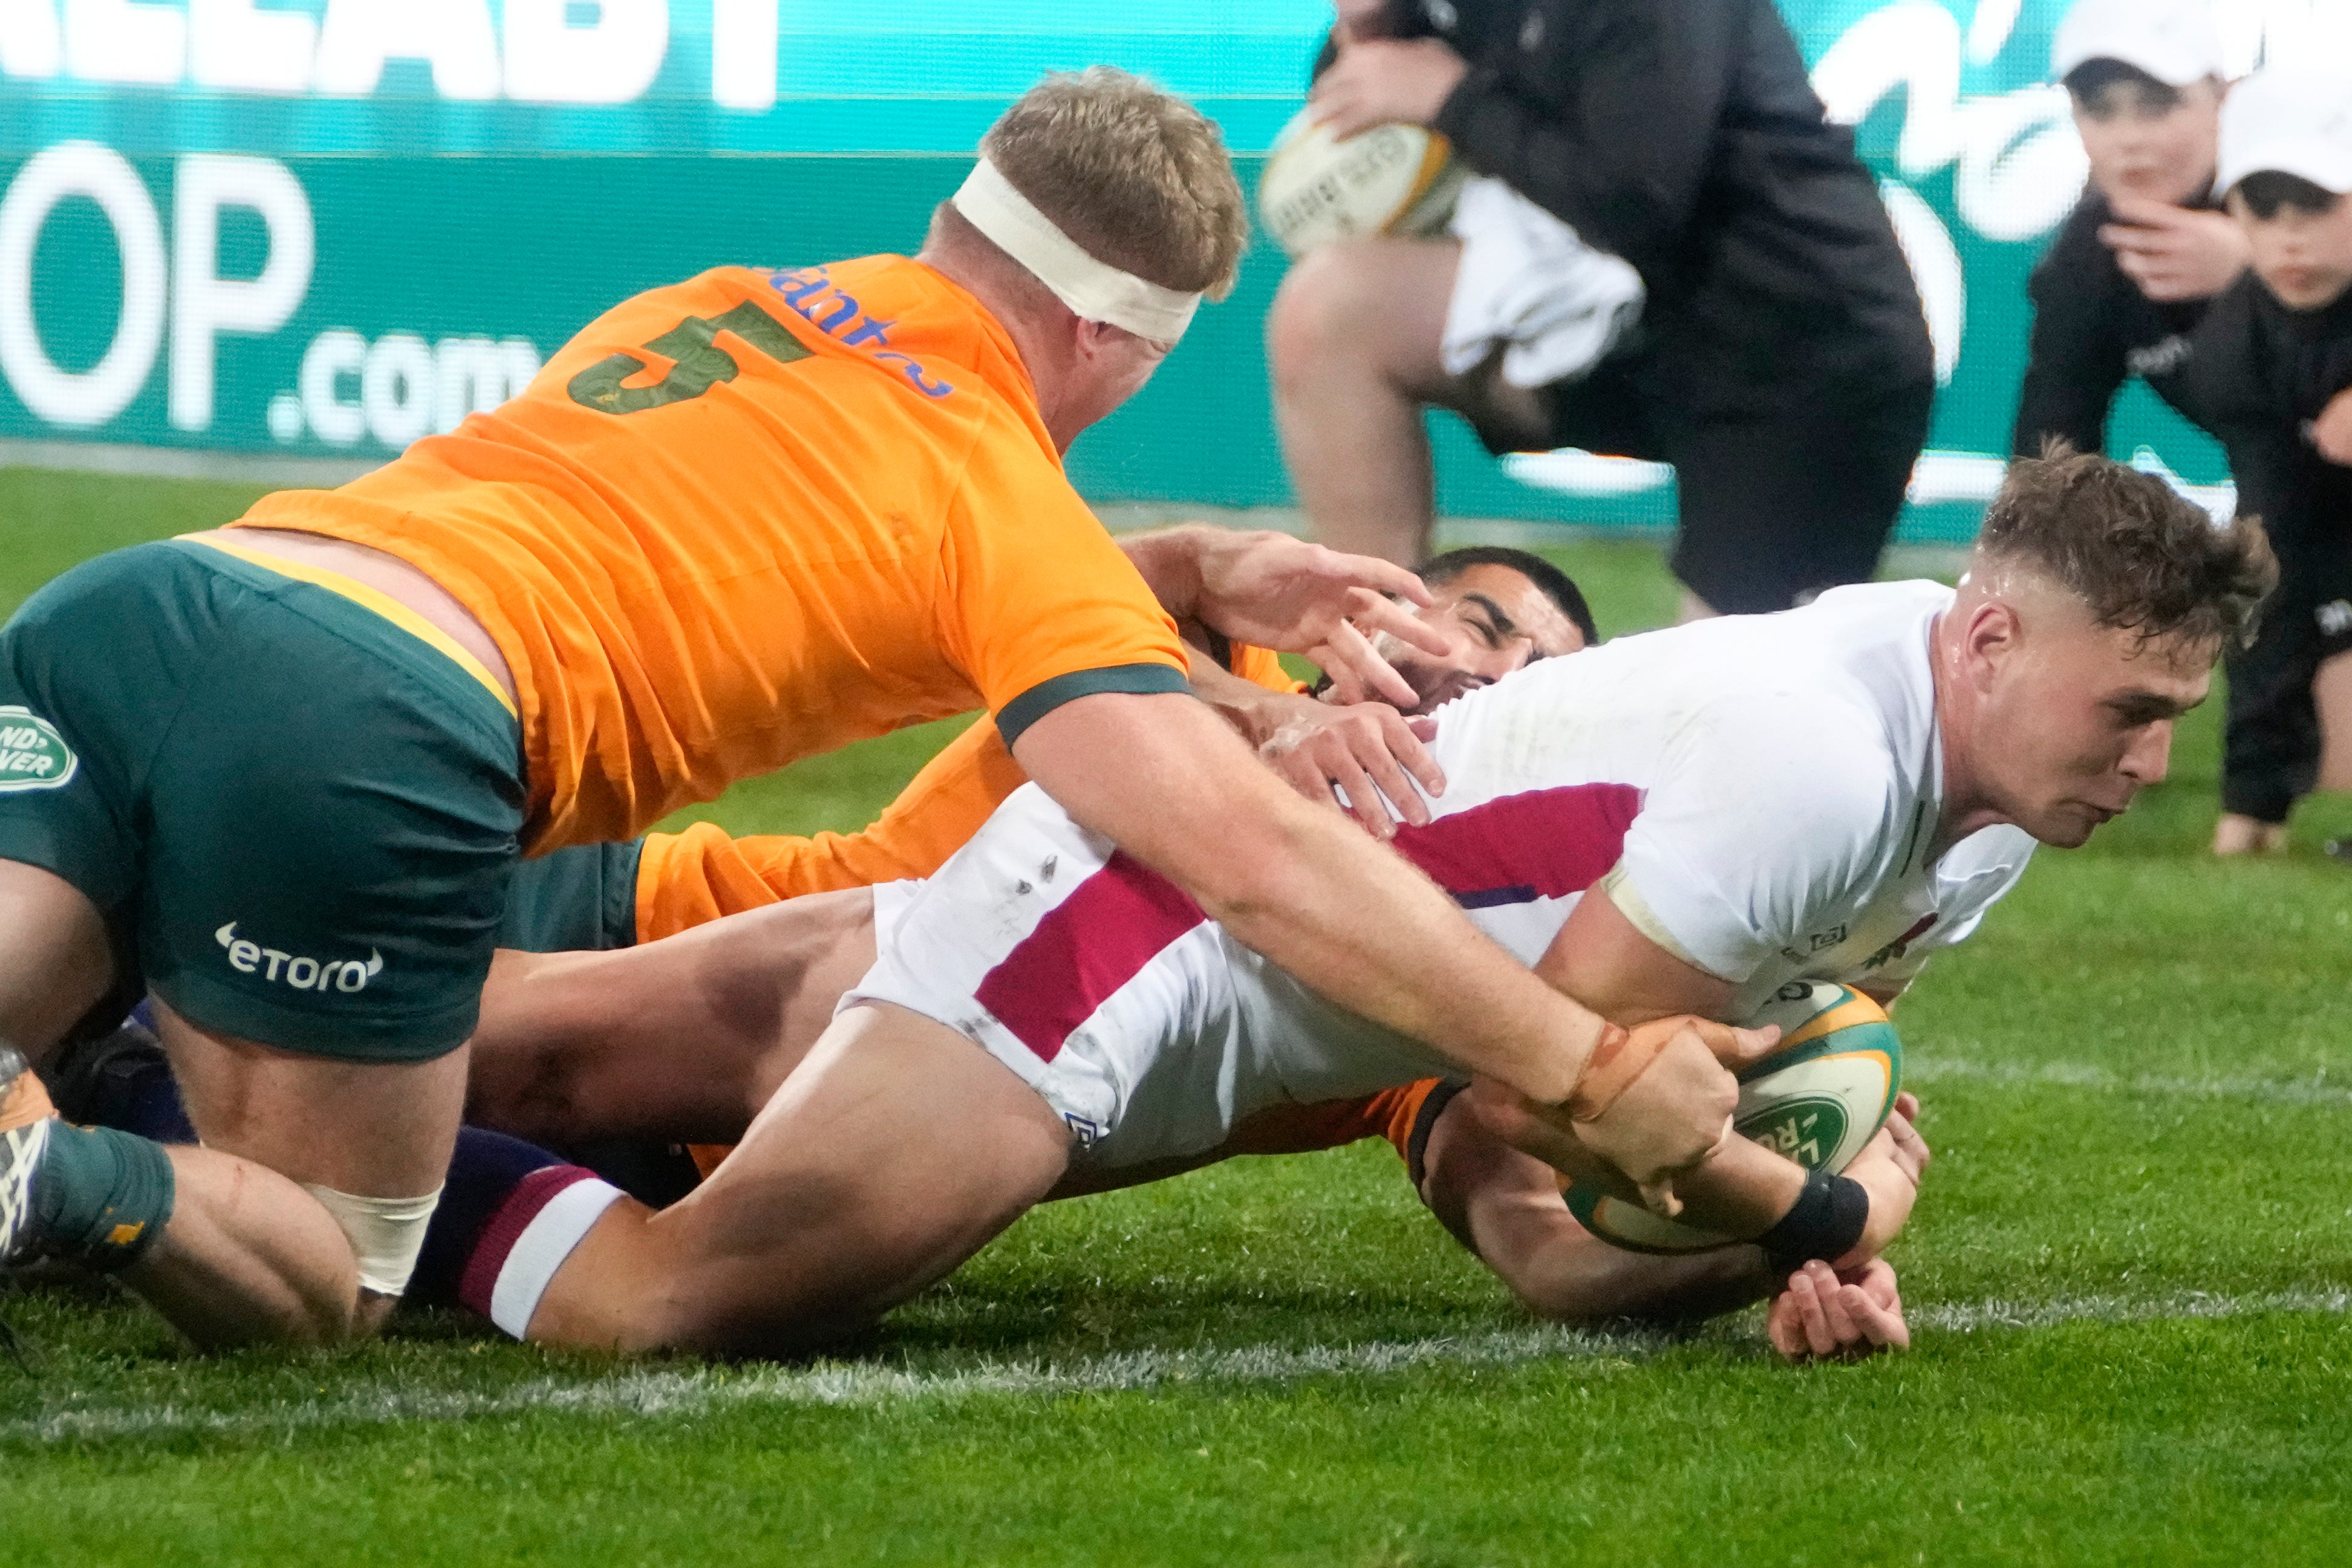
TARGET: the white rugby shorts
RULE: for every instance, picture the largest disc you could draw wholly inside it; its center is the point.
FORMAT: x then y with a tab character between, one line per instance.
1071	964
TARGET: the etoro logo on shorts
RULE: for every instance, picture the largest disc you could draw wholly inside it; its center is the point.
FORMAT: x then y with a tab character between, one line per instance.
33	755
293	969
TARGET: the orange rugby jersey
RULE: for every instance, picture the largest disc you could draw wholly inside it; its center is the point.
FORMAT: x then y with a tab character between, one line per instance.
688	878
752	517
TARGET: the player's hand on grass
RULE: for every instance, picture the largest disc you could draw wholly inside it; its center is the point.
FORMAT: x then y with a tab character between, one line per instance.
2175	252
1274	591
1823	1315
2331	433
1367	751
1386	81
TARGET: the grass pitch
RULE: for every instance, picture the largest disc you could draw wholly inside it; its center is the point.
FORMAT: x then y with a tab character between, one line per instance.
2128	1275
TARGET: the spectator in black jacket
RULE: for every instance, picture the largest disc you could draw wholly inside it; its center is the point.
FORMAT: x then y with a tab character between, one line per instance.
2148	247
1783	364
2270	373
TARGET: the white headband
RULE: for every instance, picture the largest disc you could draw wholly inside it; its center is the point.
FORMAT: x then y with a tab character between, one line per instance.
1094	290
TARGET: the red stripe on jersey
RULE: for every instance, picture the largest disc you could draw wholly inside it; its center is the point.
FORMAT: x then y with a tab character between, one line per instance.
1094	942
1545	844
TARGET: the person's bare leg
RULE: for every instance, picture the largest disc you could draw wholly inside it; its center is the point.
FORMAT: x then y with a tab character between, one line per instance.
250	1256
2331	691
55	961
247	1254
2237	835
684	1039
1352	343
897	1150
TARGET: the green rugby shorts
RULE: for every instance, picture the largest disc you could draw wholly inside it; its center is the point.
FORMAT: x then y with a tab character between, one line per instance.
582	899
298	817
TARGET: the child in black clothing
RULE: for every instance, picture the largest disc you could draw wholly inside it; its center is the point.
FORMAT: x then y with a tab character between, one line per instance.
2268	373
2148	247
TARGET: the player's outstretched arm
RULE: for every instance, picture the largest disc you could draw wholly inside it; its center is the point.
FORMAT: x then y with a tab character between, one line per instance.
1162	777
1274	591
1505	1207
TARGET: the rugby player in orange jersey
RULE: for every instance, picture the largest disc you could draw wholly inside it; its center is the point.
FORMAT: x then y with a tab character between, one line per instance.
279	775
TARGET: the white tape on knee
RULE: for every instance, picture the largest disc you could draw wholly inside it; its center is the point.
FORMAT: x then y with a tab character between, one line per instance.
385	1233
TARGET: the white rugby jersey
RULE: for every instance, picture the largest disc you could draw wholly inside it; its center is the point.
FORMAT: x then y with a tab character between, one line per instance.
1759	794
1760	791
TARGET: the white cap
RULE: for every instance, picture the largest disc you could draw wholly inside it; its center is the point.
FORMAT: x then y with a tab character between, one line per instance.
2173	41
2292	118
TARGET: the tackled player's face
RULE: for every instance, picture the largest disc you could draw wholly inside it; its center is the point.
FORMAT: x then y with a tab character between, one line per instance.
2078	717
1497	620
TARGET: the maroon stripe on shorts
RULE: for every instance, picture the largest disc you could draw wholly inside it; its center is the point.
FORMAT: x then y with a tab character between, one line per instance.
1094	942
1545	844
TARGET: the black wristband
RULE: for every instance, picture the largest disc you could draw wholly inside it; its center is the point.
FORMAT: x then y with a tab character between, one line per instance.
1825	1222
1433	1105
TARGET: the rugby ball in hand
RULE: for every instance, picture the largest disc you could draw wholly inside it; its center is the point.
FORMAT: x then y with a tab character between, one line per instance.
1818	1099
1391	179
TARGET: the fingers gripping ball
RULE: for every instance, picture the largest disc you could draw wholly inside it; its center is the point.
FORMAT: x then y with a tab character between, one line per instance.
1818	1099
1391	179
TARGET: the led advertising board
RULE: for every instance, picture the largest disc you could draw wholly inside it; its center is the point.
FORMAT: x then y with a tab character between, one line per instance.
325	227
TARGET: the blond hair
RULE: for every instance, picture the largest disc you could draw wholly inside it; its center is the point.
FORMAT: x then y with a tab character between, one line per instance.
1138	178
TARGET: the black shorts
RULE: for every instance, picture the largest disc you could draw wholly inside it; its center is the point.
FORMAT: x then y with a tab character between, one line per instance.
2270	741
1775	506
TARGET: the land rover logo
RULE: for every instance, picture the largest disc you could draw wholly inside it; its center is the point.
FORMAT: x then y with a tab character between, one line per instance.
33	755
1807	1129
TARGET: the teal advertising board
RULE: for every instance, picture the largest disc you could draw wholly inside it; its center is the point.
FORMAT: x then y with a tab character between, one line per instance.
321	228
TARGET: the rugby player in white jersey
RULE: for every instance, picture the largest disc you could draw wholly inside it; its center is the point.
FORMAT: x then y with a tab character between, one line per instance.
1679	823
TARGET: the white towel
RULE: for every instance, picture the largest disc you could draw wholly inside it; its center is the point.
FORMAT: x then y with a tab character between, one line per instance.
1529	285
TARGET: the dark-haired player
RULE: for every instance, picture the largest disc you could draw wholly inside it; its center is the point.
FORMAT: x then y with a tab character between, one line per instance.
2271	374
2147	248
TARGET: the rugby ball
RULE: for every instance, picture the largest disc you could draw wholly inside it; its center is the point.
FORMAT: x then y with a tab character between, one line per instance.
1391	179
1818	1099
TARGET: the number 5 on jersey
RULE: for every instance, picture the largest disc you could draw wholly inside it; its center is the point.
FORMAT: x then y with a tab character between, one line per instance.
697	361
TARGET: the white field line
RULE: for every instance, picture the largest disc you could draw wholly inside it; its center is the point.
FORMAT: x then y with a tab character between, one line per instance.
657	1392
2076	1075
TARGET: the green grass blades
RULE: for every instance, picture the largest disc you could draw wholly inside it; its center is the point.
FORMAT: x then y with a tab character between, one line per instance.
2129	1278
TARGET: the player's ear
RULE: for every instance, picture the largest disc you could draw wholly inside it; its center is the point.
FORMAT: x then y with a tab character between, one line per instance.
1096	339
1995	632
